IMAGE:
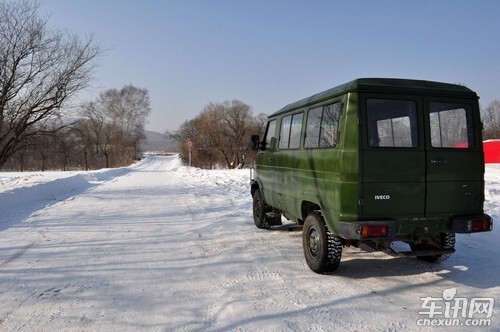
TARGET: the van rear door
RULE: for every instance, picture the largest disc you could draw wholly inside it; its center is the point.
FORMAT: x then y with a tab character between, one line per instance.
393	157
422	157
454	157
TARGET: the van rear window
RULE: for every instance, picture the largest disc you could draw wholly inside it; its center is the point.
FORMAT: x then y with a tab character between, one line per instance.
451	125
392	123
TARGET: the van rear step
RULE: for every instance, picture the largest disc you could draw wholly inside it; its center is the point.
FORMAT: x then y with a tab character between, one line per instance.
273	215
273	218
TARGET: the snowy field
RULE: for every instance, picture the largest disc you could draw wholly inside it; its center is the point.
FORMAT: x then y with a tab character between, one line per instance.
162	247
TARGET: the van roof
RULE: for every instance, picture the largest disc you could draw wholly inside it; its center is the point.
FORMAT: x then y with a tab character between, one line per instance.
384	85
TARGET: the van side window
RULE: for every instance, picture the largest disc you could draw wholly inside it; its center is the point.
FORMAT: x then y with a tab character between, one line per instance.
392	123
270	133
291	127
322	126
451	125
286	123
296	131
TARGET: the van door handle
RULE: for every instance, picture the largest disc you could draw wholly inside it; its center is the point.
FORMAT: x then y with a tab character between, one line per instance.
439	161
269	159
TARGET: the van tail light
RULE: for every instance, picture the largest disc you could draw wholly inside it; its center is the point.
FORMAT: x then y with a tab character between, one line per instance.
374	231
472	224
367	230
481	225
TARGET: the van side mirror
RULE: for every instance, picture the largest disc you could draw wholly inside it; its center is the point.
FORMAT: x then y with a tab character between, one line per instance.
255	142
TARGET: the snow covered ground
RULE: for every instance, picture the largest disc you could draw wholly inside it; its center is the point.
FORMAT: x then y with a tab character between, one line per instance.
162	247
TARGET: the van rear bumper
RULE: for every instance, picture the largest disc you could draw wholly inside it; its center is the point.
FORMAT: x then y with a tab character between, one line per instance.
386	229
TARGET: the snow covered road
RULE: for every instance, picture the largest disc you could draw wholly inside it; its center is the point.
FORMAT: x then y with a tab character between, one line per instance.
162	247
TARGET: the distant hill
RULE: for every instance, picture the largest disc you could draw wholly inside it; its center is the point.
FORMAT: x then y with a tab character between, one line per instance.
156	142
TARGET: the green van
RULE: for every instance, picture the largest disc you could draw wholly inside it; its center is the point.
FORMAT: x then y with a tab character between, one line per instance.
371	162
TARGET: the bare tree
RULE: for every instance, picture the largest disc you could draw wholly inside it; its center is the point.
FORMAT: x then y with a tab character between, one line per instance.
237	122
491	120
84	143
210	140
91	131
128	109
221	134
184	135
114	123
40	70
217	127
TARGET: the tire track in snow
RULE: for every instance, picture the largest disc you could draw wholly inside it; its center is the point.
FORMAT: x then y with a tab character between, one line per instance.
16	254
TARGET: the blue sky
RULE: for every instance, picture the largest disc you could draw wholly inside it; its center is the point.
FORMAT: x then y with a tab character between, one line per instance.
268	53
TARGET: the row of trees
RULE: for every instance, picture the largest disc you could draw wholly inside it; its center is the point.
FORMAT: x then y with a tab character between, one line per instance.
41	70
102	133
220	135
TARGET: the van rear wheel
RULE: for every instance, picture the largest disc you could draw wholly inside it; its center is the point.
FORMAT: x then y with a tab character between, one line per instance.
322	249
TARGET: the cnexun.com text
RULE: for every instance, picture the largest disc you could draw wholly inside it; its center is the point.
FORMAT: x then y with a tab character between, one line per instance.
447	322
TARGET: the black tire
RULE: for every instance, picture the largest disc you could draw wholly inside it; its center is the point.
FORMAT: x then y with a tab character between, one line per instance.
446	241
322	249
260	208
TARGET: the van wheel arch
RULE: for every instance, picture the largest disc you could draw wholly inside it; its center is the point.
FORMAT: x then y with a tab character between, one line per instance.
254	186
307	208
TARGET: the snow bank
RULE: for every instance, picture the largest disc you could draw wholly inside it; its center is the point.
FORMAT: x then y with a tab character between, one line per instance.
492	191
22	194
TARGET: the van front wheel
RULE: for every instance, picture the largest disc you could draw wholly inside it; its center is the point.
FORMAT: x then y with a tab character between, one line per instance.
322	249
260	208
